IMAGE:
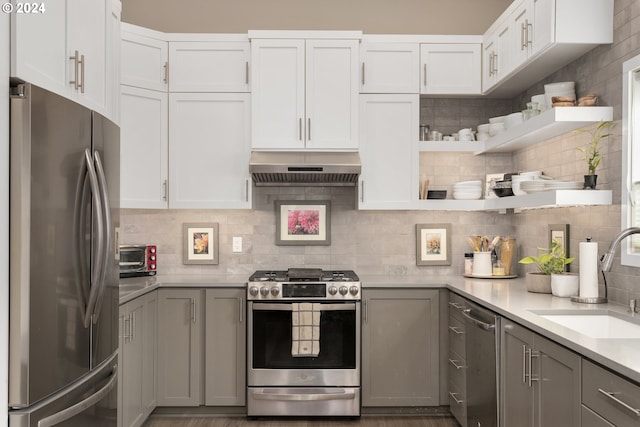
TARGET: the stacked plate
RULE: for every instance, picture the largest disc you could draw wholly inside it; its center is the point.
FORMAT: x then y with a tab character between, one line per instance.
549	184
467	190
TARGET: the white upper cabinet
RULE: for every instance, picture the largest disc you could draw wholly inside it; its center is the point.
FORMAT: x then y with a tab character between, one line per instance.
545	35
203	66
390	68
450	69
304	94
209	150
497	59
64	49
145	59
144	148
389	152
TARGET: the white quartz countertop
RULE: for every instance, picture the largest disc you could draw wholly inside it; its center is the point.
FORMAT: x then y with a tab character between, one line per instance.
506	297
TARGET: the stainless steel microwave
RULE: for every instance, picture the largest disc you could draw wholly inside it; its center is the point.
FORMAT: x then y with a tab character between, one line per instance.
138	260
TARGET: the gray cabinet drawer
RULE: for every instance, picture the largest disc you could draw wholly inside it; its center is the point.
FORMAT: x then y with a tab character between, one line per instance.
610	396
456	305
591	419
456	336
457	403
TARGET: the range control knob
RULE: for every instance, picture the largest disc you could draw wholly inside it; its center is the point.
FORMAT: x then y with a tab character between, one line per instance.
333	290
354	290
275	291
254	291
264	291
343	290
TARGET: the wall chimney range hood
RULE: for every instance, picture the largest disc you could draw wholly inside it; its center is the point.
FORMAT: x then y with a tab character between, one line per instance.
276	168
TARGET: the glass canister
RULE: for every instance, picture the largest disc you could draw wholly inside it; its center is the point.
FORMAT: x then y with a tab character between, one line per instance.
507	250
424	132
468	263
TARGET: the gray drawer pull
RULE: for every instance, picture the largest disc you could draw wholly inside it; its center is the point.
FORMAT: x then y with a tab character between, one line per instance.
456	330
453	362
456	305
611	395
453	396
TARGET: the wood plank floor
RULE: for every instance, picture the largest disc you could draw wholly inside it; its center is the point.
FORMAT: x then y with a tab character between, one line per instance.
241	421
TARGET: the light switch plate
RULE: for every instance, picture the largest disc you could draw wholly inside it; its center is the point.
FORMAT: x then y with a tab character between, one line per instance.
237	244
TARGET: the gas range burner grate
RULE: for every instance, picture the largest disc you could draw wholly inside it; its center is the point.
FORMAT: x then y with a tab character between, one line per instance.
304	275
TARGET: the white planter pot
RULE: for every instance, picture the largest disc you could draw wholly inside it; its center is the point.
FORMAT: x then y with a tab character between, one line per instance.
565	284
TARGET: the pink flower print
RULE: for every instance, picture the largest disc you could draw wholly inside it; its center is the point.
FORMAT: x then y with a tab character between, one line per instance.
310	221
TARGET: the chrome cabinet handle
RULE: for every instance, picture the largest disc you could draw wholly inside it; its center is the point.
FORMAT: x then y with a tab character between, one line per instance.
362	191
453	396
456	330
82	62
76	62
300	128
612	395
246	190
166	72
309	128
425	75
126	329
193	310
522	43
363	74
495	63
532	354
133	326
164	190
524	363
366	311
456	365
457	306
246	72
528	26
241	309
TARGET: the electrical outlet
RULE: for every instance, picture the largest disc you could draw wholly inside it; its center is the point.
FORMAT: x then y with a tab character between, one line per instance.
237	244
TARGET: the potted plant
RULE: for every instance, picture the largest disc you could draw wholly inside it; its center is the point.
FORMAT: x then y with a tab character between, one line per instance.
552	260
591	152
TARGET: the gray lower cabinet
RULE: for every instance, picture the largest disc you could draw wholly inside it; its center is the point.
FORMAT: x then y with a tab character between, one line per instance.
540	380
179	374
400	347
608	399
457	360
225	347
136	375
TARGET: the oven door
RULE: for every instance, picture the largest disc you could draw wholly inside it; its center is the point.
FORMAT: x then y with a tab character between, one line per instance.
270	360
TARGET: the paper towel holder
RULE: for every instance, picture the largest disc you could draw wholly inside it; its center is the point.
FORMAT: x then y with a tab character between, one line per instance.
592	300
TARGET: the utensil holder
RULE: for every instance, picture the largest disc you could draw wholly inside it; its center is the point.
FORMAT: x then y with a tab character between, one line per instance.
482	265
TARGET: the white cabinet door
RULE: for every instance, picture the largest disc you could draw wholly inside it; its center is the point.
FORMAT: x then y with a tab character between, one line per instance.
180	314
533	23
277	97
38	47
390	68
209	66
331	94
497	53
389	151
450	68
87	37
304	101
144	61
209	150
144	148
113	62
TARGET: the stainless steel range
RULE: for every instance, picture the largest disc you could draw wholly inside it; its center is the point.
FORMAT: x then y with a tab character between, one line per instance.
303	343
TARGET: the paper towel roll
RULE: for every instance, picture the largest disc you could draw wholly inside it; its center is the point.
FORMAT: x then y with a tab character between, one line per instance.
589	269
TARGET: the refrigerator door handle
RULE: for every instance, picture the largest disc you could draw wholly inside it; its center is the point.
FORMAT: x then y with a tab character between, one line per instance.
104	194
79	407
98	260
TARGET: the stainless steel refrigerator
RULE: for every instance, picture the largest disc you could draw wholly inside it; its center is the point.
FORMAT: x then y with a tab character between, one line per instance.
64	219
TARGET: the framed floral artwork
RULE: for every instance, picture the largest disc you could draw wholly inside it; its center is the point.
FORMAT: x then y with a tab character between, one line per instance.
201	243
301	222
433	244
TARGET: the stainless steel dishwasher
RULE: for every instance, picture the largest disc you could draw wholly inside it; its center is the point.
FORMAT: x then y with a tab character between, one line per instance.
482	343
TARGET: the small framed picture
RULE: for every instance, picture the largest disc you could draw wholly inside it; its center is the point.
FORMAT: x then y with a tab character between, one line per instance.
433	244
300	222
560	233
201	243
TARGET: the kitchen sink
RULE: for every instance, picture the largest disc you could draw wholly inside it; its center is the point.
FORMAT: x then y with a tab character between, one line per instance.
601	324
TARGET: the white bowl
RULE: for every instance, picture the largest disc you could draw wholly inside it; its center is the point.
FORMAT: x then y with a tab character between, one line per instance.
482	136
496	128
484	128
499	119
560	87
513	119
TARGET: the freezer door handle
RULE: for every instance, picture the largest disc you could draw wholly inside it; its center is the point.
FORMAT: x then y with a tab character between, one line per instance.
106	243
79	407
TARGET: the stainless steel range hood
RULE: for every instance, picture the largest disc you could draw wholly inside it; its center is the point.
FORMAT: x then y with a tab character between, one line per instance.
275	168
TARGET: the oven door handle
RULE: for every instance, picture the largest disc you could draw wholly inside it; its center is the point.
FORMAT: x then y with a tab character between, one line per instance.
289	307
346	395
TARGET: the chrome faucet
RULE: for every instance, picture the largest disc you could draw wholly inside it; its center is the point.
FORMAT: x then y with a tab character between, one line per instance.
607	258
